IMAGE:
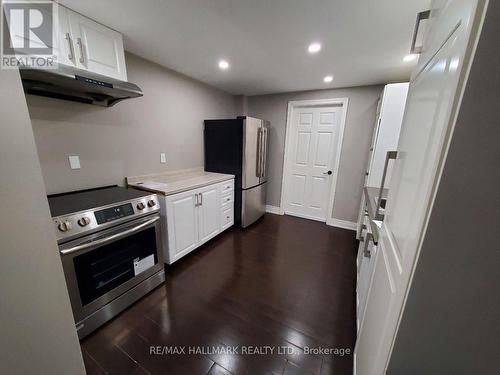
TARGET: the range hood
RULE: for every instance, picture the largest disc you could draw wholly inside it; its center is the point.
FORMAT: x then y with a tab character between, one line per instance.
77	85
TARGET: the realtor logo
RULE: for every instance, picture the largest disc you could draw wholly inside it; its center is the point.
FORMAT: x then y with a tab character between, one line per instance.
28	33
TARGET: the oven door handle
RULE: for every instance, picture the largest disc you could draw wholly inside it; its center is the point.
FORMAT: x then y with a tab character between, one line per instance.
113	237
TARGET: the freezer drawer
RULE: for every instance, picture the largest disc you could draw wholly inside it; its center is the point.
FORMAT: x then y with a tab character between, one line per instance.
253	204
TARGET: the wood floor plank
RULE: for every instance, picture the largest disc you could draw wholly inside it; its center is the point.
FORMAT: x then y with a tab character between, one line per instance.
284	282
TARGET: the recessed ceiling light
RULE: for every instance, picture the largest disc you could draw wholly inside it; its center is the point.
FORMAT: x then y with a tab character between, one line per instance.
314	48
223	64
328	79
409	58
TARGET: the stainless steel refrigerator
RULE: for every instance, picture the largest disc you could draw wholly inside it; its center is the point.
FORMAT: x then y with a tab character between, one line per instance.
240	147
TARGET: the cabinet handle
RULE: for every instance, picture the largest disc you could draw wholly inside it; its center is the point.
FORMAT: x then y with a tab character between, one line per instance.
201	199
391	155
420	17
264	153
367	253
80	46
106	240
196	200
71	54
258	170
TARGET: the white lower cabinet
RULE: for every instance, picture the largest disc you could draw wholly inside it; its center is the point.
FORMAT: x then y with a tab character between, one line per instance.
209	218
193	217
365	263
182	225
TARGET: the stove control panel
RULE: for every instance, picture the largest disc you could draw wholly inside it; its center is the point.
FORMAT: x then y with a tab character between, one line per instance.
86	222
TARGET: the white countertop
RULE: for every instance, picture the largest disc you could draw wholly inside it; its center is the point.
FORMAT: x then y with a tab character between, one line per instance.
169	183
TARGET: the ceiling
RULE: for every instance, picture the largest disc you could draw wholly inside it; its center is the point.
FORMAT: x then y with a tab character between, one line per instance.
265	41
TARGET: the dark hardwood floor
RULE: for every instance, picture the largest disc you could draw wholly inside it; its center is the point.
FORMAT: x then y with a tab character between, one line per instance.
285	283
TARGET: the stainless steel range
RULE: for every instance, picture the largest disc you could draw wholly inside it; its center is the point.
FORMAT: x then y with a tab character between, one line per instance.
110	244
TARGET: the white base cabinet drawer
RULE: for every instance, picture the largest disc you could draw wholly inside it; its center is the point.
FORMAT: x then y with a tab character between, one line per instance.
227	186
193	217
227	217
227	200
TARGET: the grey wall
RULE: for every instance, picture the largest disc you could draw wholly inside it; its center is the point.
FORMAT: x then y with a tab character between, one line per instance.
38	334
450	322
126	139
359	126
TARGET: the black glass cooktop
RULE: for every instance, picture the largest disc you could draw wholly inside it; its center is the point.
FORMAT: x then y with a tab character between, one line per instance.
68	203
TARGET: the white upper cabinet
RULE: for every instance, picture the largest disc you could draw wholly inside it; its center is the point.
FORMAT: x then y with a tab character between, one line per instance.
98	49
66	50
386	134
87	45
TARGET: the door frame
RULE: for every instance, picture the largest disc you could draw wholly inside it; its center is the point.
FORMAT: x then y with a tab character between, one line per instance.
292	105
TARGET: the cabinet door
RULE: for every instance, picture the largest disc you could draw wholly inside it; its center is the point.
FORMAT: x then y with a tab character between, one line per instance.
388	129
431	109
98	48
182	223
209	212
66	47
365	274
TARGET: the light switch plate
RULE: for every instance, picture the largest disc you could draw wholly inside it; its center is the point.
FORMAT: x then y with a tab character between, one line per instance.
163	158
74	161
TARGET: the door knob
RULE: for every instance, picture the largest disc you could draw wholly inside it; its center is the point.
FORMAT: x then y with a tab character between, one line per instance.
329	172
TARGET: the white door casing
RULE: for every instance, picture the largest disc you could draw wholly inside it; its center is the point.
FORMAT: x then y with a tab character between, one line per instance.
313	144
432	103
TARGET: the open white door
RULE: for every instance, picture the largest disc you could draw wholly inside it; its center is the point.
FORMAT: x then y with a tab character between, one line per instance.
432	102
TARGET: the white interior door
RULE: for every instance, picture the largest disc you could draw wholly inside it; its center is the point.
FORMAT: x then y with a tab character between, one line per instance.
309	172
209	213
432	96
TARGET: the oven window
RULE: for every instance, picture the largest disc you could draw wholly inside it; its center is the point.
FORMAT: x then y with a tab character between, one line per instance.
105	268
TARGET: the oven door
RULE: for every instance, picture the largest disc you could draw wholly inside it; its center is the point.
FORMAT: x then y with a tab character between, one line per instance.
102	266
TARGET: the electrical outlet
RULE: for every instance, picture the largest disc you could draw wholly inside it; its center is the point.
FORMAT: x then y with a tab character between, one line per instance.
163	158
74	161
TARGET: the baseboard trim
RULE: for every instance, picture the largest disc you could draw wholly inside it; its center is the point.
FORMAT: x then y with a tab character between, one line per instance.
321	220
273	210
344	224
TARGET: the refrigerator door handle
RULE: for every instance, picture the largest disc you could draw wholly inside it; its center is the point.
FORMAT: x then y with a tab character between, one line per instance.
258	170
264	153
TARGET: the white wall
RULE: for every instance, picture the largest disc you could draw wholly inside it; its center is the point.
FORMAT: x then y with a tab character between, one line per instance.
37	334
359	126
